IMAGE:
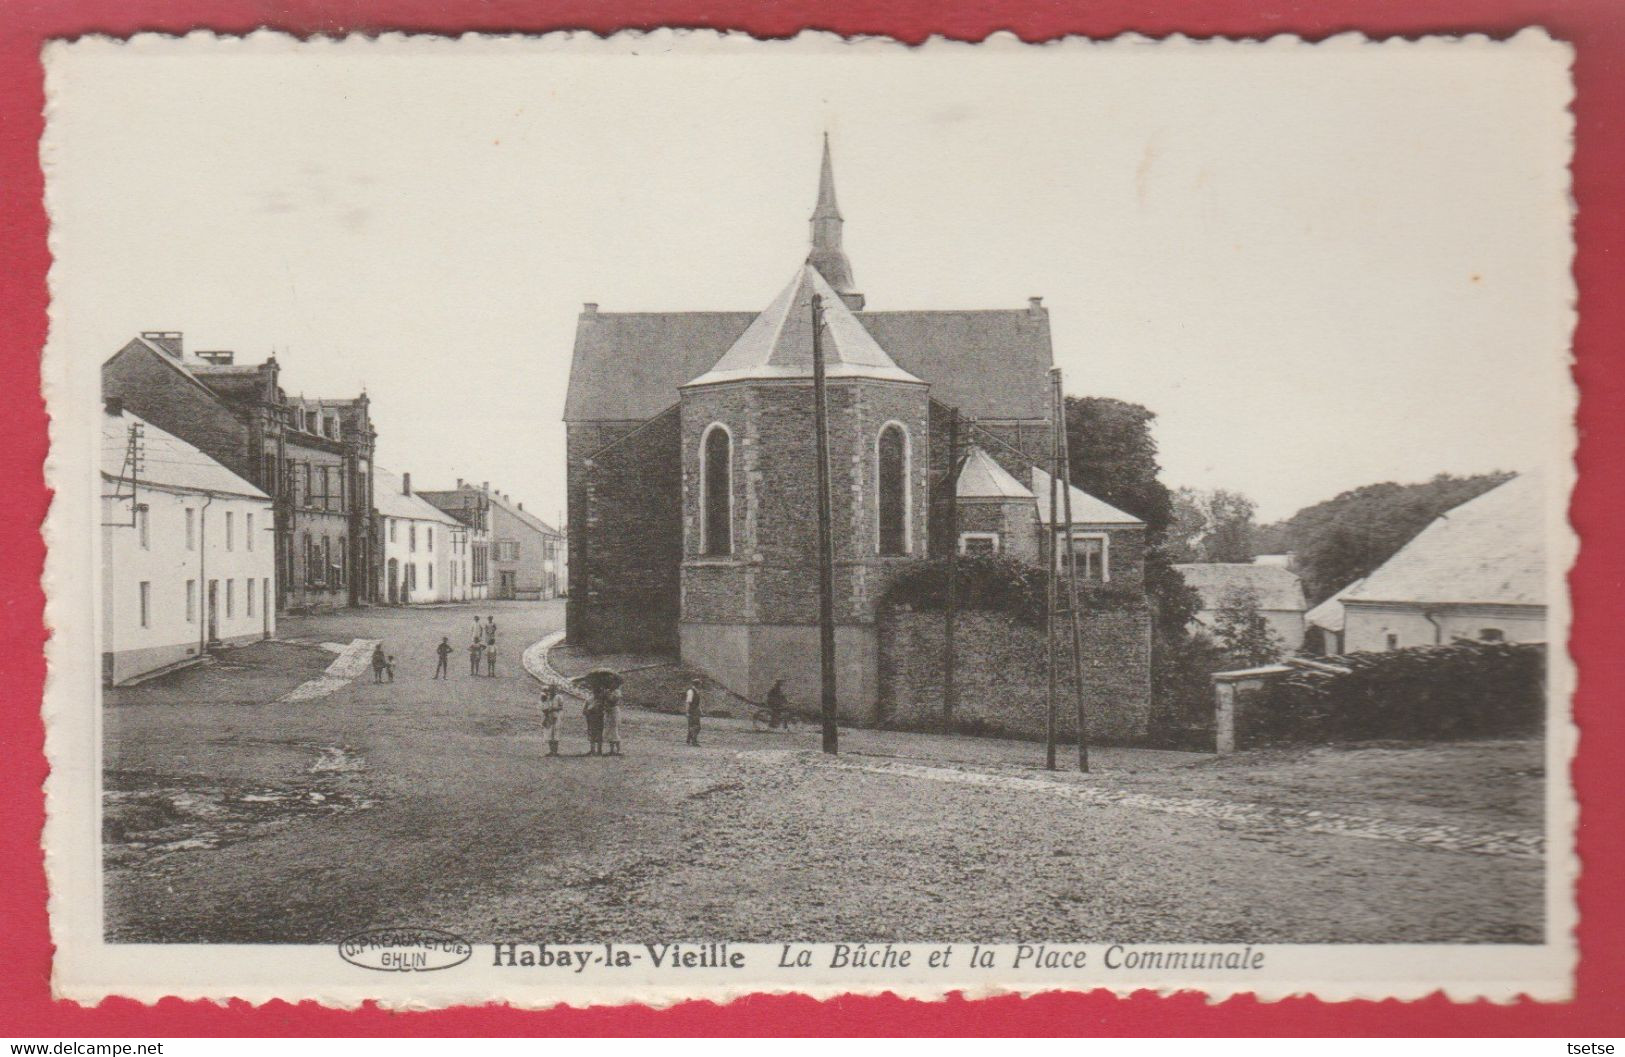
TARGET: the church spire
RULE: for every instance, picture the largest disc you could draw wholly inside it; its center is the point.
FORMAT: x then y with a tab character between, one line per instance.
826	254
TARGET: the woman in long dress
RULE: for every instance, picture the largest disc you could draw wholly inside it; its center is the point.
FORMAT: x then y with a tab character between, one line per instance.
595	723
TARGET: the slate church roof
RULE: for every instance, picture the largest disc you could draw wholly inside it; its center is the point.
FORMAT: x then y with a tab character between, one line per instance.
778	343
982	478
993	365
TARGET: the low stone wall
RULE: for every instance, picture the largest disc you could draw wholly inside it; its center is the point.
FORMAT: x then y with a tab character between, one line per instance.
1002	677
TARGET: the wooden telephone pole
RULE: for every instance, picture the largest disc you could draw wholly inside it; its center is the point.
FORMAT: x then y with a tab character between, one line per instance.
826	542
1071	575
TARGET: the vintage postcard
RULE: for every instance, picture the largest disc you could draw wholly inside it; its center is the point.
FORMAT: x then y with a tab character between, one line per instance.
564	519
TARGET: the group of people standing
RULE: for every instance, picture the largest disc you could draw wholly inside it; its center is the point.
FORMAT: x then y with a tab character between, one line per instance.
484	647
603	716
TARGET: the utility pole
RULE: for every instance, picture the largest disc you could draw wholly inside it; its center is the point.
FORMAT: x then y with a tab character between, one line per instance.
1072	579
950	685
1050	586
826	541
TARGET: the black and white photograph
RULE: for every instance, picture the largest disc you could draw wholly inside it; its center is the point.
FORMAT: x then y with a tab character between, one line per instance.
565	519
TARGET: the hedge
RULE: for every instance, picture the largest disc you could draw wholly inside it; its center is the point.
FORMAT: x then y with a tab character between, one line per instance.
1468	689
997	583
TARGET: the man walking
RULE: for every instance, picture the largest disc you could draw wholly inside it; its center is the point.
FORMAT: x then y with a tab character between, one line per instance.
691	705
442	651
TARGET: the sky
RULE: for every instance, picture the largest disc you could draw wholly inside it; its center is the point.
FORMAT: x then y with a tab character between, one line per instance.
1320	267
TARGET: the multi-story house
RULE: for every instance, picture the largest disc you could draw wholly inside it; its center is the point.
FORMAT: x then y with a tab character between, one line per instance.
471	508
312	456
421	546
186	562
526	553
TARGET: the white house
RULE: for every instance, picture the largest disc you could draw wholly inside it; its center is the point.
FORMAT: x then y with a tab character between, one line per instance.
1277	589
188	551
425	550
1477	571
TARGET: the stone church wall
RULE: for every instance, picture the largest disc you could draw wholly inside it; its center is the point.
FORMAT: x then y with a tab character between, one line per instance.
626	534
1002	679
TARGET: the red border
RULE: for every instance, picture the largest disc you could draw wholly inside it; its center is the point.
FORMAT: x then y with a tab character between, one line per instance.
1595	27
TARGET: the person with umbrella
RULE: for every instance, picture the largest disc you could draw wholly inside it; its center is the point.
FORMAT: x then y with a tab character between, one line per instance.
600	682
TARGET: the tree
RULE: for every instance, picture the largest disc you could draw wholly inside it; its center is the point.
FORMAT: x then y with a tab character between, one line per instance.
1211	526
1114	457
1242	631
1347	537
1230	527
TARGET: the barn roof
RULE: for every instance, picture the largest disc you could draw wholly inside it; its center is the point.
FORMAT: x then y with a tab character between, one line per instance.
1330	614
1489	550
1276	588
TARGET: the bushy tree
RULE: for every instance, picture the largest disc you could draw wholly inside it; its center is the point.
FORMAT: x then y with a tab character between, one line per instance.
1243	633
1345	538
1211	526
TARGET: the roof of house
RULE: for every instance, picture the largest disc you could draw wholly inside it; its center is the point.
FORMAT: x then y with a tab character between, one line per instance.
1275	587
1489	550
779	342
1086	509
992	365
166	461
1330	614
522	514
390	500
983	478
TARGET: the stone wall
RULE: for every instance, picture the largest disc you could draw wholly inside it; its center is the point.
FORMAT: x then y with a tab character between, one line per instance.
626	534
1002	678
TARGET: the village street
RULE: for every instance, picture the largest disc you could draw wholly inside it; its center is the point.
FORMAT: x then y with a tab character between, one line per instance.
232	816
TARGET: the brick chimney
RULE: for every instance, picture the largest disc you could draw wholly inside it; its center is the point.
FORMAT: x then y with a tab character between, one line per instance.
486	487
406	484
1035	305
459	484
218	357
113	405
169	341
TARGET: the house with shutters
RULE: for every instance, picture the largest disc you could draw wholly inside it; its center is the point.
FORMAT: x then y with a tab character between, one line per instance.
691	471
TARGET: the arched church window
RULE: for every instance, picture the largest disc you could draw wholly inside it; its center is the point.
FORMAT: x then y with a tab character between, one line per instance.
892	488
716	491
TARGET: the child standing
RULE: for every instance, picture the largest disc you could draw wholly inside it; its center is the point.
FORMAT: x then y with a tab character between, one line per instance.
442	652
491	657
550	719
389	668
378	663
475	648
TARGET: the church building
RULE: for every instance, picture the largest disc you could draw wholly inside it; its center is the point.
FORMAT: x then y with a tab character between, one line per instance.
692	469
